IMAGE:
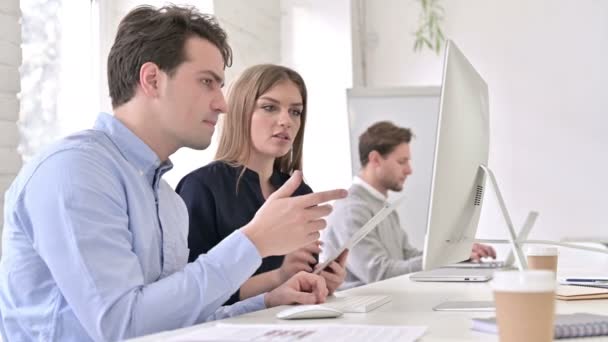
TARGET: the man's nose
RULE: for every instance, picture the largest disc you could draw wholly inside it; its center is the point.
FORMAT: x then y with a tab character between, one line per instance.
219	105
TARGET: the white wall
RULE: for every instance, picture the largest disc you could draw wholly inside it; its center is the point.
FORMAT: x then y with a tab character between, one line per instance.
111	13
316	41
10	60
545	64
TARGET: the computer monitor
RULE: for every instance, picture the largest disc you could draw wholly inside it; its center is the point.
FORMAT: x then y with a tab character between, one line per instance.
461	146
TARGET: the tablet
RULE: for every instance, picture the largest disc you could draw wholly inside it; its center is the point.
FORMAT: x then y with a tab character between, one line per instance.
466	306
363	231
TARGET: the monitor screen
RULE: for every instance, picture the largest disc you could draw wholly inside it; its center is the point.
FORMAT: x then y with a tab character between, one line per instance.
461	146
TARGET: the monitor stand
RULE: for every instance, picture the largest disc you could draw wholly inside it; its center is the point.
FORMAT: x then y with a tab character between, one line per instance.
516	251
517	241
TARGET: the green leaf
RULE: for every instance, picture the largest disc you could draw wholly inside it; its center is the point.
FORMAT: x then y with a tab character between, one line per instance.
427	42
429	26
437	7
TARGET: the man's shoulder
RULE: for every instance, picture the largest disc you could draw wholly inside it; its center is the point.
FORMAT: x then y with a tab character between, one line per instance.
84	147
360	191
359	196
83	150
357	202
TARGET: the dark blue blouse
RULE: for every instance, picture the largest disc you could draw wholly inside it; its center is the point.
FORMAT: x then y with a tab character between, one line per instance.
216	209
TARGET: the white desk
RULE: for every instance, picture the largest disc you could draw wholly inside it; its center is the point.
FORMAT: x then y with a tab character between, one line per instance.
412	304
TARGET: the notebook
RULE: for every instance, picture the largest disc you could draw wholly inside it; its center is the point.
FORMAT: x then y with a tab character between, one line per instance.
566	326
577	292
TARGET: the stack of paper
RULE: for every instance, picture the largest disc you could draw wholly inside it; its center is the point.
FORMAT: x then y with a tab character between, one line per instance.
302	333
577	292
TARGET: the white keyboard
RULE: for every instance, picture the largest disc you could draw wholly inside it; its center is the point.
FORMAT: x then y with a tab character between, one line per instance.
357	304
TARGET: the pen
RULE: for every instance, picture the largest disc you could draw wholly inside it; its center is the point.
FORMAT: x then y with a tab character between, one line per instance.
587	280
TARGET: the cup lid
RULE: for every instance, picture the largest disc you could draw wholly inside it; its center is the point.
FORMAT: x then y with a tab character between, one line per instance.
524	281
541	251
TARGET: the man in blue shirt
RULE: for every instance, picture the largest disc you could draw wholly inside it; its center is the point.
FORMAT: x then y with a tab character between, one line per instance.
95	242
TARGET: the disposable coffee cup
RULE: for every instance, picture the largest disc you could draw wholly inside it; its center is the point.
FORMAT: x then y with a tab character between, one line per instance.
525	305
542	258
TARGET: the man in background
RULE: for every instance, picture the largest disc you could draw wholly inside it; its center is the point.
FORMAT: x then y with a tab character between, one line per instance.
384	152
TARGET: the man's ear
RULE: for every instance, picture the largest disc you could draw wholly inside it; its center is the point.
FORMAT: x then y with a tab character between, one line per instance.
374	158
149	78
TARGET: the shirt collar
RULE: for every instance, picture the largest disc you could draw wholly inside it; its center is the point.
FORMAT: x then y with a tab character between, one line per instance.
276	179
359	181
135	150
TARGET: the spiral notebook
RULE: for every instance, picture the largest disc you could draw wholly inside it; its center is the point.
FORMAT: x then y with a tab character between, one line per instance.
566	326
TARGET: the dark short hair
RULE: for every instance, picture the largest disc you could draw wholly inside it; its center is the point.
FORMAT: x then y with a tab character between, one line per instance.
382	137
147	34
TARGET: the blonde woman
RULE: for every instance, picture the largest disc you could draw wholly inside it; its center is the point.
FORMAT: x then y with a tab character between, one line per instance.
260	147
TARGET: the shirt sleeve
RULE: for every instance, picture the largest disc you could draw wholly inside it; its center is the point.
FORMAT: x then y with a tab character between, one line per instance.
411	252
368	260
248	305
77	217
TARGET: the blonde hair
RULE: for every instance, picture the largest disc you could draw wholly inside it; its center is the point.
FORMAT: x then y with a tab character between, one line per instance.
235	139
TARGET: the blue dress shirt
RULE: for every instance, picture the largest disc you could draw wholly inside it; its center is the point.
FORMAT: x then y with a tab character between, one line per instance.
95	246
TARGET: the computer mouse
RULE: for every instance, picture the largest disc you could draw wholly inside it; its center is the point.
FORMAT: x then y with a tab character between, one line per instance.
309	311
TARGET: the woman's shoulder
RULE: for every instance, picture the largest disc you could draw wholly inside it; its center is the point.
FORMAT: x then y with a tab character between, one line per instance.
216	172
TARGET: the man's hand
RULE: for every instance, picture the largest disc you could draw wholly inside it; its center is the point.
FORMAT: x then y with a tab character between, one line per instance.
481	251
335	273
284	224
300	260
302	288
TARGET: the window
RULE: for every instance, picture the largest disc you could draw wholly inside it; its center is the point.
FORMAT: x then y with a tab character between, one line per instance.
59	71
